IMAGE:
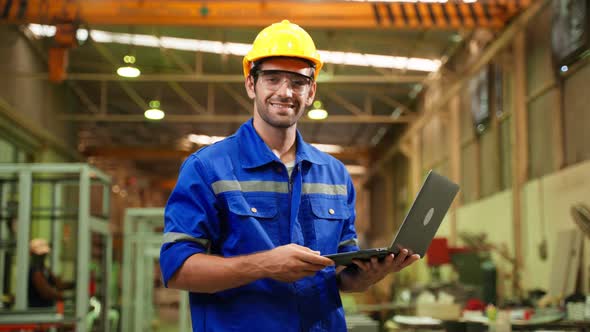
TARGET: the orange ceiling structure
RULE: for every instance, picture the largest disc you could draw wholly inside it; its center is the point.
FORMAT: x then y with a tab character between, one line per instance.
322	14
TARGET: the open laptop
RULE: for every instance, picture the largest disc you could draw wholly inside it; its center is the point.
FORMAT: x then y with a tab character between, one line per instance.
419	226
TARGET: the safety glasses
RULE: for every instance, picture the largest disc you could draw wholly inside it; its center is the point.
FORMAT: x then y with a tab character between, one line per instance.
274	79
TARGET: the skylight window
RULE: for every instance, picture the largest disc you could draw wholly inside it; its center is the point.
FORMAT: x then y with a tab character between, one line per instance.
241	49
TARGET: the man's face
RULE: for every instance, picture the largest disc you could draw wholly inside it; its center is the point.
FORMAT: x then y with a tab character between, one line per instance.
282	91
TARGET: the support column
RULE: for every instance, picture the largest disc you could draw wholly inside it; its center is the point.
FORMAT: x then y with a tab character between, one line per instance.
519	135
455	161
25	185
415	164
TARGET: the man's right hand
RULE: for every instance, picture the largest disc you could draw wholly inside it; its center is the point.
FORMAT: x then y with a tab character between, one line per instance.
292	262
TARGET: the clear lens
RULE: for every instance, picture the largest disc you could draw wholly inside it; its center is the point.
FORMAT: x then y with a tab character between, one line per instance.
274	79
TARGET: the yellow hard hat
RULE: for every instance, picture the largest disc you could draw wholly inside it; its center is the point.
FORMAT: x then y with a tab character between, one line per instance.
283	39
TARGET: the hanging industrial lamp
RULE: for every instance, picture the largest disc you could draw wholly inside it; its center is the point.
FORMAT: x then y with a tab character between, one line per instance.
154	112
317	112
128	70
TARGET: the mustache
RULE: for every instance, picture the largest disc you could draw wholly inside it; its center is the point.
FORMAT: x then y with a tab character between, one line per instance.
285	100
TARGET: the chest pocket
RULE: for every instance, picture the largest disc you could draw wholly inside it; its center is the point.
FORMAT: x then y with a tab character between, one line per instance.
253	223
329	215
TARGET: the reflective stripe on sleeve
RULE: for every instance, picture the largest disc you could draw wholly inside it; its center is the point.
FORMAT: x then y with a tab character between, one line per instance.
170	237
349	242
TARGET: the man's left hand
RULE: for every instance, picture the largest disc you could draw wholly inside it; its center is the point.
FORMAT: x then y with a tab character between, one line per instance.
367	273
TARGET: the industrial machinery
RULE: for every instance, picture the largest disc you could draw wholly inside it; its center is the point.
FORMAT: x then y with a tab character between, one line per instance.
142	293
67	204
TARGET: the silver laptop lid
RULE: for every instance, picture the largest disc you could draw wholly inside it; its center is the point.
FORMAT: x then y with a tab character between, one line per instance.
426	214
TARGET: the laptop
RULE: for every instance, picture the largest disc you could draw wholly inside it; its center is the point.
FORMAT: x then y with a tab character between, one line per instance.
419	226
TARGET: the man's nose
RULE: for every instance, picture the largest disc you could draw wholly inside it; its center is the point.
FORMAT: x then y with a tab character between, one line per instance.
285	89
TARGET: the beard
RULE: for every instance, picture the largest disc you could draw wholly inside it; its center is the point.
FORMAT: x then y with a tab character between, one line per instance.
277	116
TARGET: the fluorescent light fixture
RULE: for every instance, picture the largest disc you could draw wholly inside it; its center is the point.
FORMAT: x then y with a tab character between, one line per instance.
356	169
154	112
328	148
396	113
241	49
378	136
204	139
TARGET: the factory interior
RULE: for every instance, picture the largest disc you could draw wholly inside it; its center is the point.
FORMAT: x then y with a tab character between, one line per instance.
101	101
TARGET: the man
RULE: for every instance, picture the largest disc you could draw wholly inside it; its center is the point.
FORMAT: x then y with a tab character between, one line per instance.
251	215
45	289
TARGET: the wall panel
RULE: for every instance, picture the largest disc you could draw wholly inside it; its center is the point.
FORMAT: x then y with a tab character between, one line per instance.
469	181
490	163
540	117
577	116
538	48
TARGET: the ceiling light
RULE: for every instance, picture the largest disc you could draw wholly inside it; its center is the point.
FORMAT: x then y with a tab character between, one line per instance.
356	169
129	70
241	49
317	112
204	139
411	1
328	148
396	113
154	112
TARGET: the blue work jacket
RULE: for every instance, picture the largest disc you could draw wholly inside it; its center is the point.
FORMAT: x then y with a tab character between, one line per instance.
235	197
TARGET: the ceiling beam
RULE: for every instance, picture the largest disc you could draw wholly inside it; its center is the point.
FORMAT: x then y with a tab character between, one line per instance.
222	78
245	103
352	108
235	118
164	153
391	102
106	54
352	14
136	153
180	91
184	95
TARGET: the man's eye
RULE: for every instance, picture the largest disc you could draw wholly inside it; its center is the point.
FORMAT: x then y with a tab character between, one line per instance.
272	79
299	83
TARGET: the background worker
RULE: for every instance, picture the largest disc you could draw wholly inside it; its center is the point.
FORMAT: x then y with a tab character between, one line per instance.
45	289
250	216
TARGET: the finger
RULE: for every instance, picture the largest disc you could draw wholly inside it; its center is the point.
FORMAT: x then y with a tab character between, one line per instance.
363	266
313	258
375	263
410	260
401	256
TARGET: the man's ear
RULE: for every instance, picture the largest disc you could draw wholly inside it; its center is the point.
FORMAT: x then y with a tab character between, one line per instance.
249	84
311	95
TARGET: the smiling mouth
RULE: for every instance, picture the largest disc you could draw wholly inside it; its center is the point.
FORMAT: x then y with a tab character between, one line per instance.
283	105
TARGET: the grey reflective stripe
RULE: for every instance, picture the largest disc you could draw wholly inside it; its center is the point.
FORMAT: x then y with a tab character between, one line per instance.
250	186
177	237
349	242
322	188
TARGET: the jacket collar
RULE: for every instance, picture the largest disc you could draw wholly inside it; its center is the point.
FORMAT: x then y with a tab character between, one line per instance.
255	153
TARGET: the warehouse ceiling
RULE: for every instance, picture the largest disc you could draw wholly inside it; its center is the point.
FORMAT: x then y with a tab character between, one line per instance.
202	92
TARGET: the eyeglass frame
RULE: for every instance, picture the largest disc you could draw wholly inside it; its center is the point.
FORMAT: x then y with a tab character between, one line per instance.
256	73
